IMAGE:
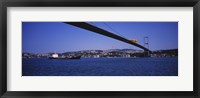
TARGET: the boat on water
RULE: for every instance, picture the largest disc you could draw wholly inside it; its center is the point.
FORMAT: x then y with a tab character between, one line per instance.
55	56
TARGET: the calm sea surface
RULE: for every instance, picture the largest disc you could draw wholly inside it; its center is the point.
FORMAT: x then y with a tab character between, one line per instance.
100	67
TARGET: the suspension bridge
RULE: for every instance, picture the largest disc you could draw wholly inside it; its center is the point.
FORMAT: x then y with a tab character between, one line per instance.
101	31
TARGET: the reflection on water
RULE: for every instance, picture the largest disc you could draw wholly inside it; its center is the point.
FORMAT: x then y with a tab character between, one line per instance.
100	67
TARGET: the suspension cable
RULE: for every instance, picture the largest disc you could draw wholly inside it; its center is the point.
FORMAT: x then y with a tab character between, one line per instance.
113	29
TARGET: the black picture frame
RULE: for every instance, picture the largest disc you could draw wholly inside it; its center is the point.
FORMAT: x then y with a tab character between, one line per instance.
98	3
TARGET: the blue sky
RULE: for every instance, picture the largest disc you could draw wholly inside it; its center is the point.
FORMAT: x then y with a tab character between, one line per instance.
45	37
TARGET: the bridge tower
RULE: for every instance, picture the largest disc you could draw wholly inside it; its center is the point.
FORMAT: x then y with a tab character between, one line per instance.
146	44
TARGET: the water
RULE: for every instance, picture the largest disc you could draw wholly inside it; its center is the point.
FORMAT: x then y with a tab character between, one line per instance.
100	67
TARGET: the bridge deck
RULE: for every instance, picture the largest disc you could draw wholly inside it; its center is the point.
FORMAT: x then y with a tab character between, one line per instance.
95	29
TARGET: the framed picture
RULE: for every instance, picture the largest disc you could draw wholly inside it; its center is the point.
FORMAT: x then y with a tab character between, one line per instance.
131	48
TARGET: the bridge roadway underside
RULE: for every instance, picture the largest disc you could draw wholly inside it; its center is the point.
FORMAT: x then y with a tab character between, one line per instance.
95	29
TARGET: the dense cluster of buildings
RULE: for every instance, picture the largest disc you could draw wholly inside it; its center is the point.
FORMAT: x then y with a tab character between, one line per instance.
112	53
